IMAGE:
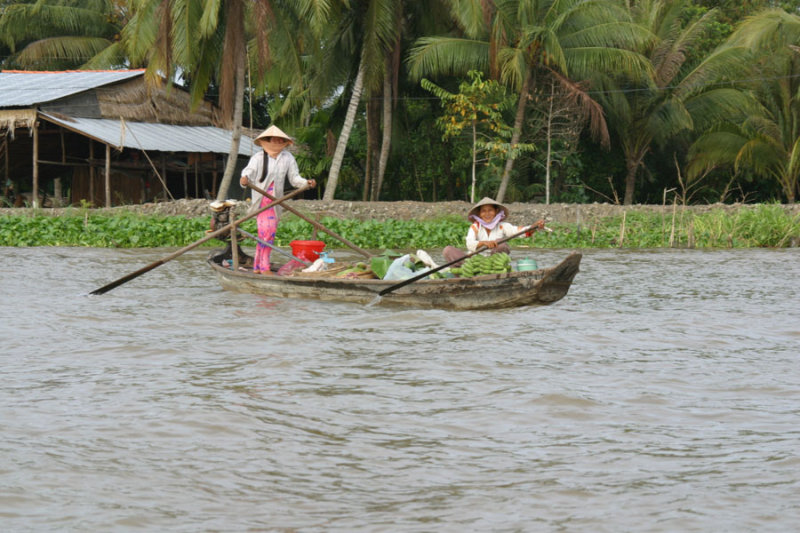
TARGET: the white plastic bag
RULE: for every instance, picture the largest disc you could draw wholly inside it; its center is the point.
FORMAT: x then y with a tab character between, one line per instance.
316	266
398	269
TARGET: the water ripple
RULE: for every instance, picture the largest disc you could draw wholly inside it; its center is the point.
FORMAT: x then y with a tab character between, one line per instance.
665	380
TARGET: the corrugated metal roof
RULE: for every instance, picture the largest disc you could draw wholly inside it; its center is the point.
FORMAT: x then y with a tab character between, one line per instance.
19	88
155	137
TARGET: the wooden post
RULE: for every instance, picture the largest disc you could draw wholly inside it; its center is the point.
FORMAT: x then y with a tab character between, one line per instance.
35	164
185	185
91	172
235	247
164	174
6	149
108	175
57	192
672	232
214	179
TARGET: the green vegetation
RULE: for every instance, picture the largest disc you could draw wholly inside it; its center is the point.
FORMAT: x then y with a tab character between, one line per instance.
766	225
611	101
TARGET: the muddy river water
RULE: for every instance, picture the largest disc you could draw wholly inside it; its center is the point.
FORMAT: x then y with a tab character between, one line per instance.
662	394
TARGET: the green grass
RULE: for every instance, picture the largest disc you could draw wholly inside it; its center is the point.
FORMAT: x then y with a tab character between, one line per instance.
765	225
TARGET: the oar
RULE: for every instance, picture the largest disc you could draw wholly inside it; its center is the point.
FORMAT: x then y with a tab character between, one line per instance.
427	273
265	243
313	223
104	289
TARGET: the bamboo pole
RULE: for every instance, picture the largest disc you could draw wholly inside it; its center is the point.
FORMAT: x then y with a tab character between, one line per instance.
672	231
235	246
108	175
35	164
91	172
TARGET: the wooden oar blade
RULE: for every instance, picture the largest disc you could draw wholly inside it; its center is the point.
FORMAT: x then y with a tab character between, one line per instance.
114	284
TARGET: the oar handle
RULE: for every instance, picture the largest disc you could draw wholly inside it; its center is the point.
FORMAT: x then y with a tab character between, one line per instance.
104	289
408	281
313	222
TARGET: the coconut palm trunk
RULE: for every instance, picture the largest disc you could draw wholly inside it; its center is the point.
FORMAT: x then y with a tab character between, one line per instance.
236	132
515	136
474	161
387	135
344	136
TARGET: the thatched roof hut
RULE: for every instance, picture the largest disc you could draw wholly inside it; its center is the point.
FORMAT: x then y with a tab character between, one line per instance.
108	137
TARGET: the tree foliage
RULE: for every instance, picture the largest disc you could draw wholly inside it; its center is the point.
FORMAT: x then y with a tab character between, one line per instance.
685	94
478	107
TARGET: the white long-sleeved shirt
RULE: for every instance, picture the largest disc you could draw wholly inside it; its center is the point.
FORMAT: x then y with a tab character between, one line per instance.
479	233
280	168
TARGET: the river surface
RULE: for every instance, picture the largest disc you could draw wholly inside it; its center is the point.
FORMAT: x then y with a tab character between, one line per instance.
662	394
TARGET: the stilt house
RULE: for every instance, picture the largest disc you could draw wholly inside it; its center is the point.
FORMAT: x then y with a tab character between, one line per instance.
107	138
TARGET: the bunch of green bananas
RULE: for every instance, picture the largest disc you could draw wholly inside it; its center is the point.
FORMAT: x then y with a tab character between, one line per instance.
479	265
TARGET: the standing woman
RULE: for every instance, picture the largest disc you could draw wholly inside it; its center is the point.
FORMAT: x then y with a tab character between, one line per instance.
268	170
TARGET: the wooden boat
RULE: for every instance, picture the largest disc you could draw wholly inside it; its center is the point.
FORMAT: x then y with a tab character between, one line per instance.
494	291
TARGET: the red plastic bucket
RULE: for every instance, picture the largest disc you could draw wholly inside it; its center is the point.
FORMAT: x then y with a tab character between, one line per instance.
307	250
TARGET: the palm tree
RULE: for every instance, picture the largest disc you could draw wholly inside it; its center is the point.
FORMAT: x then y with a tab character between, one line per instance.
366	30
62	34
675	98
519	40
766	138
207	41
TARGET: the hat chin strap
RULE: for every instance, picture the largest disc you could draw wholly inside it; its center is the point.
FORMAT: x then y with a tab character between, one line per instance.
491	224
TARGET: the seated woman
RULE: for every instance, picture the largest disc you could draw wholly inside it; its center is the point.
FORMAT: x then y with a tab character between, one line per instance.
487	228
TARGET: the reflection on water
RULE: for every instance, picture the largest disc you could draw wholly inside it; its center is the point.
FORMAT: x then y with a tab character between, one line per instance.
659	395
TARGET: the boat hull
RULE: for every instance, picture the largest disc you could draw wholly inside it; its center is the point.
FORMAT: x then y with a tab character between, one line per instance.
495	291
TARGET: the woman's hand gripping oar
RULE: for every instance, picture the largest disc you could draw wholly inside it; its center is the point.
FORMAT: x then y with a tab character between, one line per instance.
104	289
313	222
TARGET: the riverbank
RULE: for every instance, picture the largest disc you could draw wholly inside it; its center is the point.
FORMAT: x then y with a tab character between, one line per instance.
521	213
415	225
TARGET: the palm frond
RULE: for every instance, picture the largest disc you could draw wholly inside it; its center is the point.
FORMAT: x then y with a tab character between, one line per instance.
512	67
588	107
667	119
762	157
713	149
723	64
589	61
670	62
717	105
434	56
767	29
111	57
793	163
59	52
469	15
380	33
765	128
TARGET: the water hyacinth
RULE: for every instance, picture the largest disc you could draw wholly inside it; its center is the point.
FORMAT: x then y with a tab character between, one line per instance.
765	226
